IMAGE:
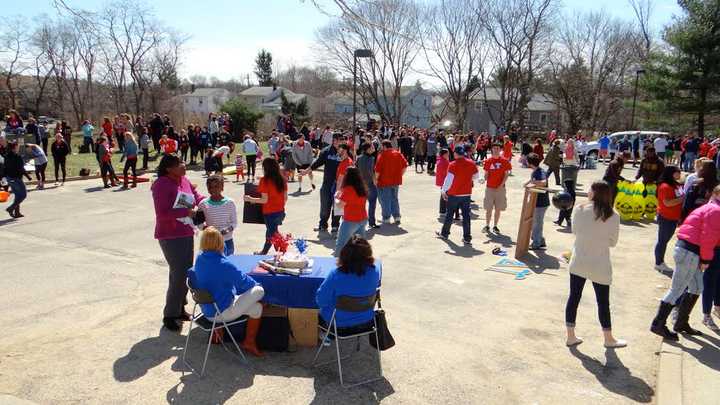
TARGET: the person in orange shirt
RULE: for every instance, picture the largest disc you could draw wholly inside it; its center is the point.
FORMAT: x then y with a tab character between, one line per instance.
389	170
273	196
352	197
507	149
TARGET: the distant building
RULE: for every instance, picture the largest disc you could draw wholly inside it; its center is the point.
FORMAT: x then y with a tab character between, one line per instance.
541	113
204	100
417	106
268	98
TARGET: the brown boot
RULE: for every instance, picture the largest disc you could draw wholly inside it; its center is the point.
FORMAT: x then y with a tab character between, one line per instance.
249	345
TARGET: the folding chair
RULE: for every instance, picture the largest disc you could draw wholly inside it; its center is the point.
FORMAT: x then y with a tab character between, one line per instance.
204	297
349	304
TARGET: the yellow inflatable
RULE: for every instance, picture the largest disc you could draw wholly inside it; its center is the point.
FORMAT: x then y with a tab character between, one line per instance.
651	201
230	170
623	201
638	202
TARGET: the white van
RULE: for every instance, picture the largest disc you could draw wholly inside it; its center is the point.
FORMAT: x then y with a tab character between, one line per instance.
593	147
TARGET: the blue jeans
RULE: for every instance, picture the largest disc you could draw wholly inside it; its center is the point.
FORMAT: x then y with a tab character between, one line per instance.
346	231
455	203
372	203
229	247
18	188
666	229
272	223
389	203
689	161
687	274
537	227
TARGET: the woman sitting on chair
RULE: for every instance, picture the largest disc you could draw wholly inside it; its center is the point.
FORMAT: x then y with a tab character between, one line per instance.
234	293
355	276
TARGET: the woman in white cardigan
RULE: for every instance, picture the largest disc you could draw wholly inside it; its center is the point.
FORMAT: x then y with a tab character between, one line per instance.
596	227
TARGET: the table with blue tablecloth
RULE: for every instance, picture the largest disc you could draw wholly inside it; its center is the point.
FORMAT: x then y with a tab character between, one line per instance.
288	290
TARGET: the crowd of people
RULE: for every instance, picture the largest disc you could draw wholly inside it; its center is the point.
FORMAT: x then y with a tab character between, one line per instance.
367	167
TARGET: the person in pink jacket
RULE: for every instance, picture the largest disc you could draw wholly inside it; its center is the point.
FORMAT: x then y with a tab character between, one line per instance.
441	169
698	237
176	202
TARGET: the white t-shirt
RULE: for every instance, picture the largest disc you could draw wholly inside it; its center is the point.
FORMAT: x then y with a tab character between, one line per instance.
660	145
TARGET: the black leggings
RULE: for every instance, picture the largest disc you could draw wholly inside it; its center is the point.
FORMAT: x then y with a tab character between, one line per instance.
130	164
602	295
60	164
40	172
250	164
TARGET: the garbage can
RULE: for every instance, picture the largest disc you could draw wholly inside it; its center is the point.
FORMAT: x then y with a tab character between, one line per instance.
569	172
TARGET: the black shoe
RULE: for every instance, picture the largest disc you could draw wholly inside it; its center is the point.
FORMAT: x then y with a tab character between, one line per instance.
10	212
536	247
312	185
375	226
467	241
334	229
172	324
486	229
441	236
320	229
558	223
496	229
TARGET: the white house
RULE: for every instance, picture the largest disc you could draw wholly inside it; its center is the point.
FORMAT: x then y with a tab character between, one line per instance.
205	100
268	98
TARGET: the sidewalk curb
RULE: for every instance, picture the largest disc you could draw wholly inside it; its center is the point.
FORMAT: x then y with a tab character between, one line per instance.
668	390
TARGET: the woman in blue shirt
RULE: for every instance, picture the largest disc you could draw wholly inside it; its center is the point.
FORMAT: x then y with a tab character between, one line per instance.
355	276
234	293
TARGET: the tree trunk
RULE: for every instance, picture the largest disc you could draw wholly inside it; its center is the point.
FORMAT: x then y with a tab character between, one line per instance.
701	112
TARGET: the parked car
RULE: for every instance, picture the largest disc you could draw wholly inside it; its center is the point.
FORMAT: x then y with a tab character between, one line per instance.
593	147
46	120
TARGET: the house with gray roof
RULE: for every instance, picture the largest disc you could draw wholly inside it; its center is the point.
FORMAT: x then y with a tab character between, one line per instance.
204	100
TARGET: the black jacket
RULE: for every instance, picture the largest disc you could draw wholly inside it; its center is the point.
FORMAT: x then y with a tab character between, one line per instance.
59	150
14	166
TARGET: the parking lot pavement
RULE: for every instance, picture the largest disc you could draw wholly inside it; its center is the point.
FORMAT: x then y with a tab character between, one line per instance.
84	284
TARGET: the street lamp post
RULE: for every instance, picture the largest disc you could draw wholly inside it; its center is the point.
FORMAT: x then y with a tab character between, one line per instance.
637	77
359	53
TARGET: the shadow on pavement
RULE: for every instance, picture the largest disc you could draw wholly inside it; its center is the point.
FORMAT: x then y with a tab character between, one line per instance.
539	261
94	189
7	221
708	354
461	250
226	375
503	240
614	376
389	230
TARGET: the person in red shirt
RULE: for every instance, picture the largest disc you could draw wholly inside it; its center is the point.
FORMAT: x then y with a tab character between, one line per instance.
345	162
507	149
441	169
497	169
456	190
273	196
538	149
704	148
352	198
670	198
389	170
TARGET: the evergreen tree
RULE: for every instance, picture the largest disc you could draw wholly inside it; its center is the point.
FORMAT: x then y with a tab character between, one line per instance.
686	77
263	68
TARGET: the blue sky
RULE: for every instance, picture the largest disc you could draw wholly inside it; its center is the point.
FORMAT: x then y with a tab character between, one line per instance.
226	35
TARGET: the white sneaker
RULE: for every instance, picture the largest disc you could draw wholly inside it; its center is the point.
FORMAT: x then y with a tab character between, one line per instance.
663	268
708	321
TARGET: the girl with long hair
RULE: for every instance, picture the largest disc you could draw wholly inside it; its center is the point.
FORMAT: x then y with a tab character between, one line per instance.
352	197
670	200
699	192
596	227
273	196
130	156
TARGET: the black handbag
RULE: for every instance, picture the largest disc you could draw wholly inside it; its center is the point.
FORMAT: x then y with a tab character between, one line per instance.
384	338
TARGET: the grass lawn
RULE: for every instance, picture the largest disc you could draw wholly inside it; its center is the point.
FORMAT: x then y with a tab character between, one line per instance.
77	161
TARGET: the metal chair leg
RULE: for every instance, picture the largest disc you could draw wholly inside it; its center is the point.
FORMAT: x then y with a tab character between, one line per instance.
187	340
322	344
234	341
207	351
337	349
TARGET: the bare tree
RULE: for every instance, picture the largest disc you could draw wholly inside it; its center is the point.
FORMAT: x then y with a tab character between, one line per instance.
42	67
389	28
134	32
520	31
587	66
643	10
455	49
13	39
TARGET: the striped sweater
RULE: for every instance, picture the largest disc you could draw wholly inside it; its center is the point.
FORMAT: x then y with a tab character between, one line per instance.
220	214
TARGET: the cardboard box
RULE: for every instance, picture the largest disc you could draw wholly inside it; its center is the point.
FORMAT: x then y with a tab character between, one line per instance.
304	325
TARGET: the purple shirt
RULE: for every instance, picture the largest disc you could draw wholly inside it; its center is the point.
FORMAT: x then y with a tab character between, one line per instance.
164	192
